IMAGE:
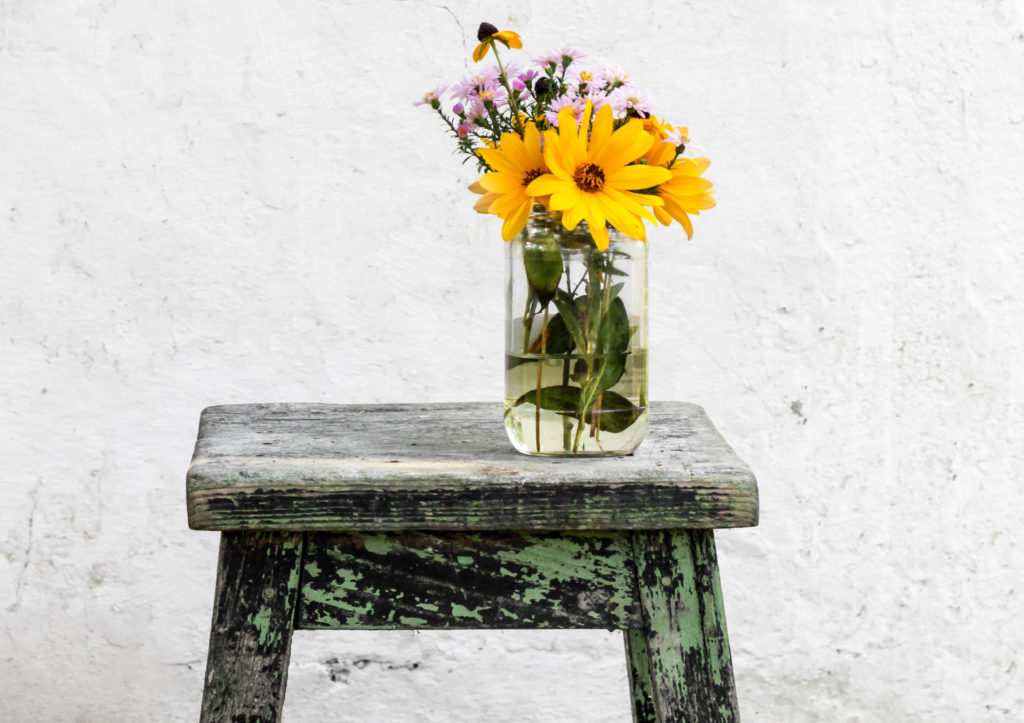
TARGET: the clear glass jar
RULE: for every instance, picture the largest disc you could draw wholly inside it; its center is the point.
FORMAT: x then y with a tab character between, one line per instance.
575	341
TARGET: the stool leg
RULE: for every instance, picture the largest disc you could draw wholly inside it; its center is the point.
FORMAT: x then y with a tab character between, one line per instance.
684	636
251	634
640	684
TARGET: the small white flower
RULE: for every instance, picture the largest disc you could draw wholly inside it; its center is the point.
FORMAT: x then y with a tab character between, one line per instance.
614	77
431	95
625	99
557	57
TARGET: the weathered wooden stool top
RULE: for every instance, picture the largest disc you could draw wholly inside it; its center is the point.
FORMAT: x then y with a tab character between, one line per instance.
307	467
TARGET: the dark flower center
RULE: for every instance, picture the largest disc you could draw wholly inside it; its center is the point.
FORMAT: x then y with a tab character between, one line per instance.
589	177
485	31
532	174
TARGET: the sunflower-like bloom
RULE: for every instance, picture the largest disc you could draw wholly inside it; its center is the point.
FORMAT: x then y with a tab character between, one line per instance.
592	180
487	34
517	161
684	193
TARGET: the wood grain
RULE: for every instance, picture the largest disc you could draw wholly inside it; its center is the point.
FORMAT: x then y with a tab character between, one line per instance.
450	467
688	658
251	634
457	580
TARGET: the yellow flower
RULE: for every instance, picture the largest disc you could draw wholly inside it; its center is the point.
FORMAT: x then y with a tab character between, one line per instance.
517	161
594	180
662	150
686	192
488	34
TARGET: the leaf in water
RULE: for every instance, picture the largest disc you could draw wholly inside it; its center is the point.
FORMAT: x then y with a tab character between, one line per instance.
557	399
559	339
616	415
613	341
543	261
567	312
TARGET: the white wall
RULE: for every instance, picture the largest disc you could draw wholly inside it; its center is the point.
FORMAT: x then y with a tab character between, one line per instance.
235	201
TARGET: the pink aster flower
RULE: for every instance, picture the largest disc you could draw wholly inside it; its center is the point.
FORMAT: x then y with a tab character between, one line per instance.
627	99
431	95
565	55
613	77
596	97
470	85
577	104
475	109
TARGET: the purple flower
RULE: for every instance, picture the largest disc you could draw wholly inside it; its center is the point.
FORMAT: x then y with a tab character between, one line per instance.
470	85
457	109
577	104
564	56
518	85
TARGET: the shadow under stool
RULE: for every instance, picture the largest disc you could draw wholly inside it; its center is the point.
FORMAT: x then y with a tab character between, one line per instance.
422	516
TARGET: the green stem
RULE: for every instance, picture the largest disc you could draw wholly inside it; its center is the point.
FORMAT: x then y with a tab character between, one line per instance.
508	89
540	370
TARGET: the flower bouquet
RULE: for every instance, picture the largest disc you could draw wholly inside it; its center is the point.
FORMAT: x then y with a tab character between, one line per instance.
573	162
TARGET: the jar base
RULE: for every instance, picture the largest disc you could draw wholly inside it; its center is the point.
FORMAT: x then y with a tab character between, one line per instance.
560	435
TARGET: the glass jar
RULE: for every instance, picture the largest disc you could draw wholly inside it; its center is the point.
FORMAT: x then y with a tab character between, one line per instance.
575	341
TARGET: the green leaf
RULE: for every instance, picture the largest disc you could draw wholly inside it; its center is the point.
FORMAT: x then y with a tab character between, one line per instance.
613	343
616	415
565	399
567	312
543	261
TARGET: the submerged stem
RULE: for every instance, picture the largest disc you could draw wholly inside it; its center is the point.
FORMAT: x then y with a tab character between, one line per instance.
540	369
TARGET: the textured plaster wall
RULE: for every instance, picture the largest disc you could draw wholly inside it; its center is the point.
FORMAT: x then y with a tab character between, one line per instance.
234	201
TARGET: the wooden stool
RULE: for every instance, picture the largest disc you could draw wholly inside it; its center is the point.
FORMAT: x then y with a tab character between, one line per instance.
386	517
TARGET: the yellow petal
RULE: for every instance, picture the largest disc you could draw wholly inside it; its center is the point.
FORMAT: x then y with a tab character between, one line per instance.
497	160
481	51
572	216
509	38
638	176
595	213
567	197
507	203
515	222
500	182
553	158
548	183
483	204
625	146
602	128
584	134
531	140
620	218
600	236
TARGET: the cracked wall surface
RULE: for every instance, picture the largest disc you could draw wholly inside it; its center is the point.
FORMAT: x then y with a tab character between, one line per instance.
206	203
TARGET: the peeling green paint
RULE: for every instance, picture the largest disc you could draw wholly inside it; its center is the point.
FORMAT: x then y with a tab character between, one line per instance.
460	611
412	622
